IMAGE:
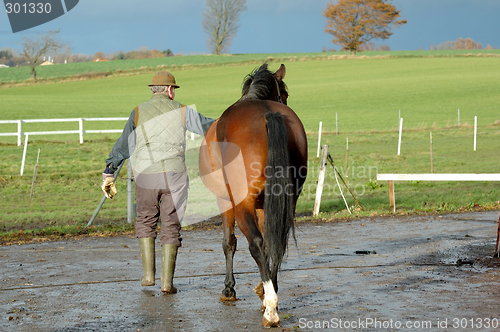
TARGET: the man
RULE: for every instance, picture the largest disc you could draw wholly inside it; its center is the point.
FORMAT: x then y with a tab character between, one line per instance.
155	138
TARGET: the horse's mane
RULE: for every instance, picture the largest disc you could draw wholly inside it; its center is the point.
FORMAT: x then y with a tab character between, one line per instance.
261	84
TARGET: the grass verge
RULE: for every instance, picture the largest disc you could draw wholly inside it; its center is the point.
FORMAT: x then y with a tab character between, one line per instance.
366	95
67	187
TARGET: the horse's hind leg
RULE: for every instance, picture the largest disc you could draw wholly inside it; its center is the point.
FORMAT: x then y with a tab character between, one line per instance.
229	247
259	289
247	222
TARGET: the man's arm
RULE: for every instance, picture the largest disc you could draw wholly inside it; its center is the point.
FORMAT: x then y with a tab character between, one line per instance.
123	147
197	123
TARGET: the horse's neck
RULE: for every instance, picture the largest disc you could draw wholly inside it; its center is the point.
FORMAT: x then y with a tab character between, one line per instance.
254	94
251	93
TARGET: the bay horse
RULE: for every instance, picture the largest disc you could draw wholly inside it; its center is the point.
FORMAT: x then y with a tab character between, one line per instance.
254	159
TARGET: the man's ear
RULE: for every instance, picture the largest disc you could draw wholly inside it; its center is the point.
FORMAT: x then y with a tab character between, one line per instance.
170	91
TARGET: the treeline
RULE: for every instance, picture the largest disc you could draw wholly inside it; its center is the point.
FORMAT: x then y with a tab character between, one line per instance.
12	58
141	53
461	44
370	46
9	57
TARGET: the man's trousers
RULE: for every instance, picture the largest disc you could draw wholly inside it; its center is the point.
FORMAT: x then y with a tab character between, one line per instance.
161	196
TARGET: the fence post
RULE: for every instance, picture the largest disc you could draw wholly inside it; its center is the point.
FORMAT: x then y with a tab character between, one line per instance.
400	133
392	198
475	132
18	132
319	138
432	158
321	180
346	174
33	181
24	153
336	123
80	122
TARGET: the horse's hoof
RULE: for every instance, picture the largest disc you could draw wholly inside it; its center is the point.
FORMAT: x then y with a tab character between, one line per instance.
266	323
228	294
223	298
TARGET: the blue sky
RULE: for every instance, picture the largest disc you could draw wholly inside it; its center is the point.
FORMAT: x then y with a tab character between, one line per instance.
267	26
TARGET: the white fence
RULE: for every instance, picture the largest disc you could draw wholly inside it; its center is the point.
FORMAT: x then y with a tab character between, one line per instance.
432	177
80	130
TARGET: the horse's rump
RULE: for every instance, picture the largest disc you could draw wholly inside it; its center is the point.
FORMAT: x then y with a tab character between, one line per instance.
241	133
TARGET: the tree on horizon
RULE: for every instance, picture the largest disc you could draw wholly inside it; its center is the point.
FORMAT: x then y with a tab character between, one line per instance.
220	22
34	47
355	22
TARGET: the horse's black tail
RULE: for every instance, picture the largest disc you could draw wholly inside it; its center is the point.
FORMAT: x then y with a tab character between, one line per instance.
278	202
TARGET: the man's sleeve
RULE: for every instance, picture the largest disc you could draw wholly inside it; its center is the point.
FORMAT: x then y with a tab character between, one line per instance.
197	123
123	147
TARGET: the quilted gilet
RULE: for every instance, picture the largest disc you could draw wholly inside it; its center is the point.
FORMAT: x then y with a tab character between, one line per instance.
160	136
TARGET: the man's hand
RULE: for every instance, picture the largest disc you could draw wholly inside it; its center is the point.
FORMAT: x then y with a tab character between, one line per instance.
108	185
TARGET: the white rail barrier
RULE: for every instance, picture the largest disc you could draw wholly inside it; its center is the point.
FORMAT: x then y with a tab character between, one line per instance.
432	177
80	131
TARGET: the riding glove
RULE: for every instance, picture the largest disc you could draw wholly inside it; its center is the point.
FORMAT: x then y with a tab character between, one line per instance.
108	185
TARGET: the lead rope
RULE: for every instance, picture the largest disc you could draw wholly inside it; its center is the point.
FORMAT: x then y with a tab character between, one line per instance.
278	89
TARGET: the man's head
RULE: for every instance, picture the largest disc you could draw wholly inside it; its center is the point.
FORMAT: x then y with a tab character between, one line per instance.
164	82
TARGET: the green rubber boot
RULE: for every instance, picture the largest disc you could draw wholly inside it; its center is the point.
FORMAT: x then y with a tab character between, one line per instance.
168	258
147	246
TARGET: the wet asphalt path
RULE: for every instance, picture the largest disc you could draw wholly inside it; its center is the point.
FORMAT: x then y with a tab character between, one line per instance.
400	273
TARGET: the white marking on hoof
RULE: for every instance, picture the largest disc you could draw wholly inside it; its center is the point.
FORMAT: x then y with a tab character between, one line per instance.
270	303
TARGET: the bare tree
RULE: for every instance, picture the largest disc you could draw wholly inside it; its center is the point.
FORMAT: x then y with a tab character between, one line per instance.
34	47
371	46
64	55
220	22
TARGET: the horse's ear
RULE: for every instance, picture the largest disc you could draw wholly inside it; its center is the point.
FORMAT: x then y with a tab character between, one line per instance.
280	73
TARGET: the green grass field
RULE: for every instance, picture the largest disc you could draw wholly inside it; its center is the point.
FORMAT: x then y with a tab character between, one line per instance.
428	91
133	65
19	74
366	94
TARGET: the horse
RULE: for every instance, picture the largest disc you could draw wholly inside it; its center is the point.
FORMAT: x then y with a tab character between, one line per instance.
254	159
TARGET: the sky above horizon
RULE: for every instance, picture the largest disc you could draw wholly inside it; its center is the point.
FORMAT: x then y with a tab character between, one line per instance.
277	26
